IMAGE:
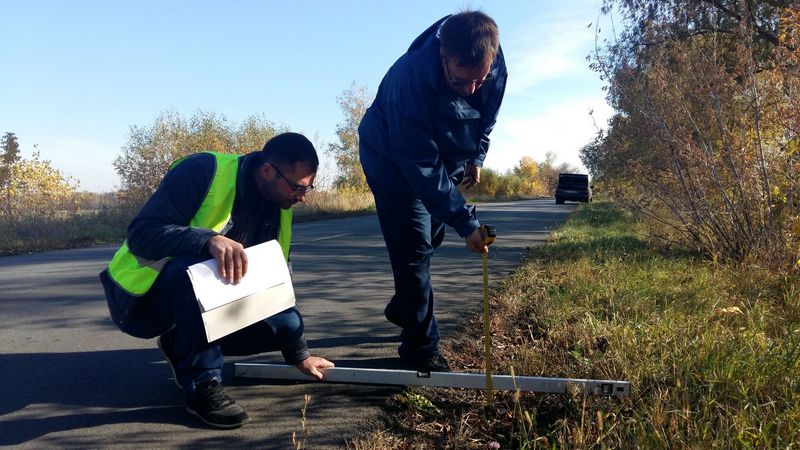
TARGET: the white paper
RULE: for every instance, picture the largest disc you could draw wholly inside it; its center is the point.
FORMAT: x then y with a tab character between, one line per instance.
266	268
246	311
264	291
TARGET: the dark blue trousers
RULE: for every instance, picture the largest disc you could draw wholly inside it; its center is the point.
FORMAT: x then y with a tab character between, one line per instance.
171	306
412	235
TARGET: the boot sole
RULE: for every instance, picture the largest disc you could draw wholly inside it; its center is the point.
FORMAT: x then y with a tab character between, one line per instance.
226	426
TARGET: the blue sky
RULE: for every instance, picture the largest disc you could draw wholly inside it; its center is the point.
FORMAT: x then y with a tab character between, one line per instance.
78	74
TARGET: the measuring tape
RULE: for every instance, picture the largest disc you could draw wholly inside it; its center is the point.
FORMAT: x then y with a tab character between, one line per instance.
488	233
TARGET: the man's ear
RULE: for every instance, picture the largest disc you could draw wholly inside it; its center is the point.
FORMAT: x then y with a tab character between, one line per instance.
264	173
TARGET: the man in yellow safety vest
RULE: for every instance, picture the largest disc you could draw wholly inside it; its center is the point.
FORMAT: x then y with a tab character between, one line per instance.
211	205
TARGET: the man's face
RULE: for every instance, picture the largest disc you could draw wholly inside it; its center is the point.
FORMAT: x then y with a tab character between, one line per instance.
285	185
465	80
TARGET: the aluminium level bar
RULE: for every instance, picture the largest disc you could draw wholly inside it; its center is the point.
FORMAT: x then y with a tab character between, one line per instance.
436	379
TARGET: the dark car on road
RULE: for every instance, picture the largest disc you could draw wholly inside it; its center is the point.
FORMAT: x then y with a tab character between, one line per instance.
573	187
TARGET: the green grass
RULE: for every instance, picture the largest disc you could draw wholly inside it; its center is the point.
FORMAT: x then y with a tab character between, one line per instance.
712	352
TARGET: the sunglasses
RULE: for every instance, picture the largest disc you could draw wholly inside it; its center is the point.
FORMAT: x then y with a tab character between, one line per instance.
296	188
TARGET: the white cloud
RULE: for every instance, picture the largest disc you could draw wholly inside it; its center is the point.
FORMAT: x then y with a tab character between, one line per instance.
548	49
551	89
563	130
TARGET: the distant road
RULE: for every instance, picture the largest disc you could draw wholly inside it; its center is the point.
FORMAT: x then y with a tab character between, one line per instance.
71	379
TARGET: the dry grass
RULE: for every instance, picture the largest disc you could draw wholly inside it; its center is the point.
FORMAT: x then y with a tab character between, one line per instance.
108	226
712	352
29	234
328	204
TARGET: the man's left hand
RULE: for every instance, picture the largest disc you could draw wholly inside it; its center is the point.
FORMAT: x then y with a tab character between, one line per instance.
472	175
475	242
314	366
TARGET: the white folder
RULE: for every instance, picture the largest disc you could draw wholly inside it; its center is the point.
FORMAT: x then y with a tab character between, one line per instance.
264	291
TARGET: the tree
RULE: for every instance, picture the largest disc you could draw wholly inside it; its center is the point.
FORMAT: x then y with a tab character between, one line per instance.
527	168
36	189
353	103
532	183
10	157
705	93
488	187
549	170
151	150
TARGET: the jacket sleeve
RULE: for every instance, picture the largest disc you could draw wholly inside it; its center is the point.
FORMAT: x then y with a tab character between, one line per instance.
482	150
415	151
296	352
161	228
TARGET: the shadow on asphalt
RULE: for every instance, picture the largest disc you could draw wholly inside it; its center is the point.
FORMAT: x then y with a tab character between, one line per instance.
120	379
346	341
93	389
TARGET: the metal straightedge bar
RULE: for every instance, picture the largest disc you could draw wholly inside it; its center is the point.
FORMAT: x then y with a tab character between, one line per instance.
435	379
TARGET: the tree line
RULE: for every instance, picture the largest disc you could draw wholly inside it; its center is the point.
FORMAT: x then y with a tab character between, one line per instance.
704	140
33	187
528	179
41	207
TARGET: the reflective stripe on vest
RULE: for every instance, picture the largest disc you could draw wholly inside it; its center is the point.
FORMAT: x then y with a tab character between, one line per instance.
136	275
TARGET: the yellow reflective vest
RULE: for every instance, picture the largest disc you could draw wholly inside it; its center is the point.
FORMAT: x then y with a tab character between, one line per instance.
136	275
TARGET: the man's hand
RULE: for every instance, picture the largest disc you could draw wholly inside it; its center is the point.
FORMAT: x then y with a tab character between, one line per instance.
475	242
314	366
230	256
472	175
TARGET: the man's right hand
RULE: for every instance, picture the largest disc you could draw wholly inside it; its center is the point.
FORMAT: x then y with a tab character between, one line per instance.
230	256
314	366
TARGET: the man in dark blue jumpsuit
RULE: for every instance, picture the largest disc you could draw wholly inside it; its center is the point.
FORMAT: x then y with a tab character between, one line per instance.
426	132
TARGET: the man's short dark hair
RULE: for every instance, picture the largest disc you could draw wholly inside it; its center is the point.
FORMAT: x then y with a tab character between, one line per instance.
469	36
288	149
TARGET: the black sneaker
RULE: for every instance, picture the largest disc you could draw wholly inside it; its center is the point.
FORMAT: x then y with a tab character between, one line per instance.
435	363
212	405
165	345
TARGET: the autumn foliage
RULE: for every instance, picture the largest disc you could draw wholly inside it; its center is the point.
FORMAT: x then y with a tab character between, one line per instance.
704	142
528	179
32	187
150	150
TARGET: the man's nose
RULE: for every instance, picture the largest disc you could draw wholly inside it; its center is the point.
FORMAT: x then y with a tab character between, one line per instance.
470	88
300	196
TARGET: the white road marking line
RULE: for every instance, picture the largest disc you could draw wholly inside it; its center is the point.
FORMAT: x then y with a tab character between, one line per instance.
329	237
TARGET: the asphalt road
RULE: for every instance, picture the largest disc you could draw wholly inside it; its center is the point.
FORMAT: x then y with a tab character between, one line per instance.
69	378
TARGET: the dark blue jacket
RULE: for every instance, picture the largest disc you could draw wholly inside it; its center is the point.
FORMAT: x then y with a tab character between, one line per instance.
419	134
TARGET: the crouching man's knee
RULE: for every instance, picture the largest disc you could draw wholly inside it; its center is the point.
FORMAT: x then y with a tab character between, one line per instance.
287	325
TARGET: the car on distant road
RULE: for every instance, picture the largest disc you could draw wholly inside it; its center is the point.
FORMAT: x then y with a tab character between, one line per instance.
573	187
